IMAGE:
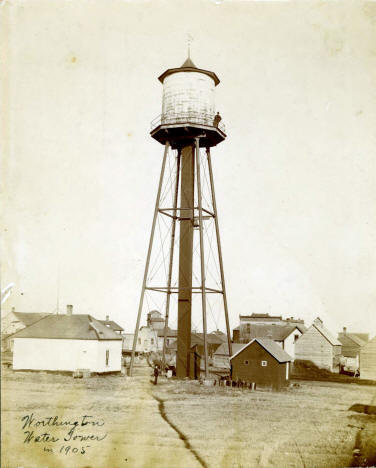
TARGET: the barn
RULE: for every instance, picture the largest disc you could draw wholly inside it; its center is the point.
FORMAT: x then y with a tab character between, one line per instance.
367	360
67	343
263	362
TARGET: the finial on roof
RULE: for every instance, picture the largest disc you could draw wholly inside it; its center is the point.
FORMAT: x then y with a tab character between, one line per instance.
189	40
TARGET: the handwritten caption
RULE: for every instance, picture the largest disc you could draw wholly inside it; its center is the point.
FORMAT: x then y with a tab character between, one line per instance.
66	436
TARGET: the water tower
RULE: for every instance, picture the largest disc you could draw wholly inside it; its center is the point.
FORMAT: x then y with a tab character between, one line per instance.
189	126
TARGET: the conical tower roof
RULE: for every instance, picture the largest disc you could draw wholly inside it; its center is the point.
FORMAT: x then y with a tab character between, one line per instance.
189	66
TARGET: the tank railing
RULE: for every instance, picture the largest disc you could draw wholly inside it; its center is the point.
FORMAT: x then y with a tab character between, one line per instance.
187	118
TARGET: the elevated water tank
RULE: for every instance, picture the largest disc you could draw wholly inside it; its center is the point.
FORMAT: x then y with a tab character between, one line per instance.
188	95
188	107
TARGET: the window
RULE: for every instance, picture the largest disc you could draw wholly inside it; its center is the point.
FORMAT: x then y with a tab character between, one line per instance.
264	363
152	341
246	363
139	341
107	356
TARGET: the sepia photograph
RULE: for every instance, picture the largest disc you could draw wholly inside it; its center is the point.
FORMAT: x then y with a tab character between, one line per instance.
188	233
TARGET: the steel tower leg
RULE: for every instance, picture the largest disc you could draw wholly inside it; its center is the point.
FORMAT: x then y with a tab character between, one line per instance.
185	262
148	257
173	229
202	256
219	251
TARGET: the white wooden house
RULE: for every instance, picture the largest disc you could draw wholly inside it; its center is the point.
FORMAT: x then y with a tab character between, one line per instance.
147	341
67	343
318	345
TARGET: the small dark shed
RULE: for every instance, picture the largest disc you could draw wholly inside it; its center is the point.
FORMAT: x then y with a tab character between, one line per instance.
263	362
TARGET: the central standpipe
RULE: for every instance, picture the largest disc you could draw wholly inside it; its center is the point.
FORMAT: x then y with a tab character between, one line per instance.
185	262
188	123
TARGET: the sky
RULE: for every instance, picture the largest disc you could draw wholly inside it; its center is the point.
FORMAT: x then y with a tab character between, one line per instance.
295	178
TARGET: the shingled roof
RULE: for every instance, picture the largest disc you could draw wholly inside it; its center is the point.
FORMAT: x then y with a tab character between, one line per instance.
274	332
349	340
113	325
69	327
28	318
271	347
223	349
326	334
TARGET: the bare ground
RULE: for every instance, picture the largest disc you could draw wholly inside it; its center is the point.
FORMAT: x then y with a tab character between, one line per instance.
184	424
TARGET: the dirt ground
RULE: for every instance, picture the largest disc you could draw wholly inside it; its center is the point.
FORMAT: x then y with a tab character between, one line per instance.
128	422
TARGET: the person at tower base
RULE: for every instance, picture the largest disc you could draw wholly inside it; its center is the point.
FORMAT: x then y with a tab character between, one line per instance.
156	373
217	119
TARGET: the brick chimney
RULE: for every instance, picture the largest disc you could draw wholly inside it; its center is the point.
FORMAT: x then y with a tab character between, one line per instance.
344	330
107	318
69	309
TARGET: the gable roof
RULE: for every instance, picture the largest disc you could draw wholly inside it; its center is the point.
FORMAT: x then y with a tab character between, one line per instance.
69	327
348	339
326	334
223	349
274	332
113	325
357	340
271	347
28	318
362	336
211	338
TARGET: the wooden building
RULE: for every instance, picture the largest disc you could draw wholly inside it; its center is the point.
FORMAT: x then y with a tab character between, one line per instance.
351	345
284	335
15	321
155	320
248	322
221	357
171	336
318	345
367	360
67	343
263	362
